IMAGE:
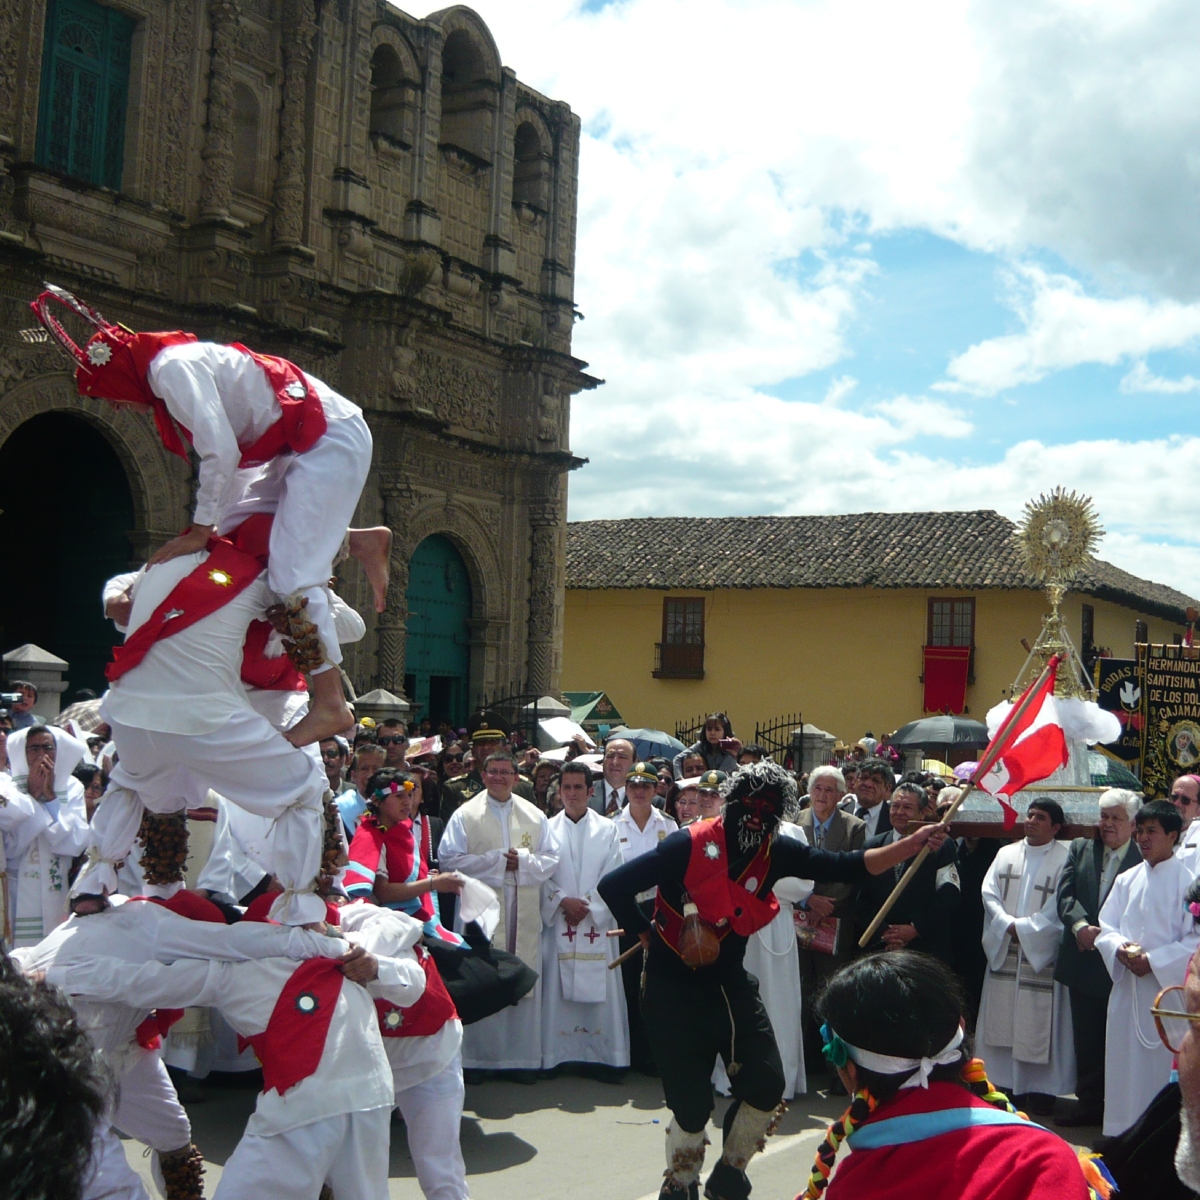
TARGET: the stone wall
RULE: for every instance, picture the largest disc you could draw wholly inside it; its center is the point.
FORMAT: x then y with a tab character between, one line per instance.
372	196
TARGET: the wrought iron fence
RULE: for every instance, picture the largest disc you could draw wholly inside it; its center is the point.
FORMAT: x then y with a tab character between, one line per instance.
689	731
775	735
513	706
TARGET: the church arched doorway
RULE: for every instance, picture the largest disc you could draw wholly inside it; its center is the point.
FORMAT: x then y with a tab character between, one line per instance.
437	656
67	512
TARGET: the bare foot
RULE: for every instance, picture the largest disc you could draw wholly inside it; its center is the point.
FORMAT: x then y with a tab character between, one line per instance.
323	720
373	549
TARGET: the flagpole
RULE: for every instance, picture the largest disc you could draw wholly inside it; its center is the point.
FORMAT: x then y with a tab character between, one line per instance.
998	745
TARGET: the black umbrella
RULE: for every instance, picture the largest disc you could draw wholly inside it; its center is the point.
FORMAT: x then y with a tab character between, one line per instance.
941	731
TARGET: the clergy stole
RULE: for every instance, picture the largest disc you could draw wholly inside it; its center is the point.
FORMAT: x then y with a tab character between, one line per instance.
582	951
521	905
42	894
1020	1008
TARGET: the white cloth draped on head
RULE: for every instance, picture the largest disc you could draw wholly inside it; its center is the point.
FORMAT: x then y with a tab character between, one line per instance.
69	752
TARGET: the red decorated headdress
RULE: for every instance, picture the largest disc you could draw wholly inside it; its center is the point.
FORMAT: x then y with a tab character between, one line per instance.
114	362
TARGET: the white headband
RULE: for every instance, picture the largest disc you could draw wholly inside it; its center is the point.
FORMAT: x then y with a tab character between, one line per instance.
887	1064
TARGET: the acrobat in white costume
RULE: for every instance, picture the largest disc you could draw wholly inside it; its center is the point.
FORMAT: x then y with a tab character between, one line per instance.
147	1105
323	1115
426	1067
239	409
182	724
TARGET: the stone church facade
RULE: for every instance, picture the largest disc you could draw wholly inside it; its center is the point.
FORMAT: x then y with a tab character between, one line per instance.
371	195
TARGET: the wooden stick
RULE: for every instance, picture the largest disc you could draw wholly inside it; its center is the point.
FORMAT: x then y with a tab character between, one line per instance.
999	744
616	962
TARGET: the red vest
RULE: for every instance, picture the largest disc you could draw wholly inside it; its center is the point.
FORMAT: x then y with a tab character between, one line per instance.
429	1013
725	904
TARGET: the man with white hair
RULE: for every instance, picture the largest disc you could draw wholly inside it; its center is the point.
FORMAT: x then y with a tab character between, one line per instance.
828	827
1091	869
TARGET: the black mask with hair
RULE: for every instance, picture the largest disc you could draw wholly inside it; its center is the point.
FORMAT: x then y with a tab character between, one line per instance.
756	797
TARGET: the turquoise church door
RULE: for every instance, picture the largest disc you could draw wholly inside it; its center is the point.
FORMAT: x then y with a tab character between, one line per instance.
437	653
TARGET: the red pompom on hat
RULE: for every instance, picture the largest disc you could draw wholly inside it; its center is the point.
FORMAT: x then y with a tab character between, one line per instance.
114	363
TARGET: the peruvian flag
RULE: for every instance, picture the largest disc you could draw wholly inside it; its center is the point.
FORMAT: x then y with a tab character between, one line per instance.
1028	746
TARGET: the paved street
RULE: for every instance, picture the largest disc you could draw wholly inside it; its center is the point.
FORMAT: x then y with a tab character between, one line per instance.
568	1137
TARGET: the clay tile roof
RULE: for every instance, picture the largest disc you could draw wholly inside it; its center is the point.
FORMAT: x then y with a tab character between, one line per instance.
968	550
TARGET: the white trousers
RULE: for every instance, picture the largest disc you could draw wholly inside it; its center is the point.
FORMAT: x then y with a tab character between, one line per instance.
252	765
109	1176
313	496
148	1107
349	1152
432	1112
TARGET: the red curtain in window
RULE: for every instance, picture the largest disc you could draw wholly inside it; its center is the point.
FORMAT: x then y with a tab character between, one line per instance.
946	678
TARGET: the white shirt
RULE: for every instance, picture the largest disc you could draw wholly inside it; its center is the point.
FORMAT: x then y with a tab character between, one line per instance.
871	817
222	397
635	842
190	682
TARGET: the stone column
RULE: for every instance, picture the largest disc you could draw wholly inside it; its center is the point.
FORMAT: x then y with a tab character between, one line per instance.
216	183
299	29
391	626
546	584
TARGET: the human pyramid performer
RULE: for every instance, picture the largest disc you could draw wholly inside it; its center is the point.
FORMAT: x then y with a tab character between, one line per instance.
269	439
282	462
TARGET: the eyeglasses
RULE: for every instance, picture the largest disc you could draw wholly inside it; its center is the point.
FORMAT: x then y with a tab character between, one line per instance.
390	741
331	755
1169	1021
1179	798
452	758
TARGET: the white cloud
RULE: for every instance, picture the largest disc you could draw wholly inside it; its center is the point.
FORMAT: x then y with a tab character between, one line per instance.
739	156
1064	327
1142	379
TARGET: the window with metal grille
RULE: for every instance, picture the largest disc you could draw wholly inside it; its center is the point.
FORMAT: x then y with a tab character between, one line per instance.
680	654
951	622
85	88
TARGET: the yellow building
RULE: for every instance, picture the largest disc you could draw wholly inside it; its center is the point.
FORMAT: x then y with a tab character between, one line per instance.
829	616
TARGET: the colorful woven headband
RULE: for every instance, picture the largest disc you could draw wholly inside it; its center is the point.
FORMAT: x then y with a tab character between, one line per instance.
837	1052
390	789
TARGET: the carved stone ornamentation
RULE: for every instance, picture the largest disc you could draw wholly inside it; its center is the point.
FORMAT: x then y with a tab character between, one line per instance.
549	413
458	393
216	184
299	26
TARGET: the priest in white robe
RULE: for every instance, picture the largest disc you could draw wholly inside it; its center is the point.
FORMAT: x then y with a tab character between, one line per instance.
1147	939
584	1018
773	958
505	842
1024	1029
40	848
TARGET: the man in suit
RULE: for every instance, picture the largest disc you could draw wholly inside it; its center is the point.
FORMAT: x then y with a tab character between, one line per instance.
1087	878
608	795
922	915
876	782
827	827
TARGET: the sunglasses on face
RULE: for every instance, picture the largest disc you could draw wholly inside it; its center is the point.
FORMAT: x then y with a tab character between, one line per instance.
390	741
330	755
452	758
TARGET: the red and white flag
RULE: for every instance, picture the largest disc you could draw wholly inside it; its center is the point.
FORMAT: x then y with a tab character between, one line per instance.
1028	746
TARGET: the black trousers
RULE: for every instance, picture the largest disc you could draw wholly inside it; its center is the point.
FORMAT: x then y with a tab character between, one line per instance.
641	1056
688	1023
1089	1017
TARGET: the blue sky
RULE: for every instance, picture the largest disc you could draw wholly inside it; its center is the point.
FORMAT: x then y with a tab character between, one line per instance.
842	255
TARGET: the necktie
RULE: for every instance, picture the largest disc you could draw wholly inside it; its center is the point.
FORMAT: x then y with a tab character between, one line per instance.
613	804
864	813
820	832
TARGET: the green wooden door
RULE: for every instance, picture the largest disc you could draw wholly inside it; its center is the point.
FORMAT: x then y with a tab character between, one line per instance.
437	654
